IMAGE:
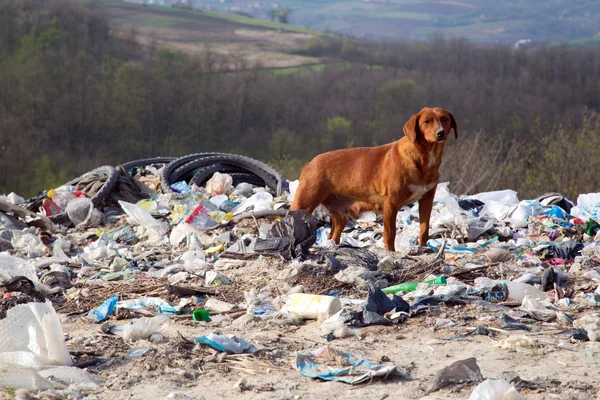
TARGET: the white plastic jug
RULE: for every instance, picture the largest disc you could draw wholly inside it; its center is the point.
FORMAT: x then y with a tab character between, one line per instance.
309	306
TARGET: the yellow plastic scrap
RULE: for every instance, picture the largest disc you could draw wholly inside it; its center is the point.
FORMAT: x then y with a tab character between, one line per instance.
214	249
50	193
148	205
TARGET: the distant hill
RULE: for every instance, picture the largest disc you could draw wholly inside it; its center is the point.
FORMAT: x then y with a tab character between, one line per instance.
254	43
490	21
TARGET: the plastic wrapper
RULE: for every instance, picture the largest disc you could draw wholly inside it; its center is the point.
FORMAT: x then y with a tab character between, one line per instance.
219	183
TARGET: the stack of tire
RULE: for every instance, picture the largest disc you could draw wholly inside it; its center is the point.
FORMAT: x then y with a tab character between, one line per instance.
194	168
199	168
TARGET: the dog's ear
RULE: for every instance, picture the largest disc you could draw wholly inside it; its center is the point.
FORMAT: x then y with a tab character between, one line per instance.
411	127
453	125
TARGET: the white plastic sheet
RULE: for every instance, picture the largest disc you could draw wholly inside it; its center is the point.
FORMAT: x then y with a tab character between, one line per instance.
31	339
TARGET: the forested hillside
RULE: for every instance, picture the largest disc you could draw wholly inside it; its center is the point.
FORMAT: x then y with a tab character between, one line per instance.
73	96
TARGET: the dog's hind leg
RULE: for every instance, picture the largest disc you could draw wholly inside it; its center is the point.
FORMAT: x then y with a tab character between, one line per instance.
338	223
307	197
389	225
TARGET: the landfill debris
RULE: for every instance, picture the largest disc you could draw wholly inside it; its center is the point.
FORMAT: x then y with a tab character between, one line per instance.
136	259
495	389
227	343
458	372
291	237
330	364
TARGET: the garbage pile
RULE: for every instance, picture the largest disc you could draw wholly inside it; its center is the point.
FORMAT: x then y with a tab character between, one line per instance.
206	244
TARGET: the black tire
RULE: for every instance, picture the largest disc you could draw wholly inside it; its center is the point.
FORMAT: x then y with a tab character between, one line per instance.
247	167
180	167
165	178
242	177
205	173
128	166
111	180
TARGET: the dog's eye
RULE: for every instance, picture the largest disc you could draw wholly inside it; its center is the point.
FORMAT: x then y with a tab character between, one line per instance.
426	121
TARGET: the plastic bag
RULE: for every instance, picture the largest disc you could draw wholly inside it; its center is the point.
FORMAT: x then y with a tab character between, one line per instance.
495	389
143	327
290	237
29	244
145	219
199	218
219	183
11	266
260	201
80	210
458	372
227	343
31	336
507	197
293	186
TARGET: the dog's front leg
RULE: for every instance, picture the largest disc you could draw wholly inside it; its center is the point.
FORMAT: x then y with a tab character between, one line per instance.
389	225
425	206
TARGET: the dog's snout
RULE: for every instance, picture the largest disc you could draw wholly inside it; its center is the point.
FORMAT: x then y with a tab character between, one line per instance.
440	134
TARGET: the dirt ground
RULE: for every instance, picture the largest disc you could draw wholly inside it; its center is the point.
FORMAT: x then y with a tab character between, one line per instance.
178	367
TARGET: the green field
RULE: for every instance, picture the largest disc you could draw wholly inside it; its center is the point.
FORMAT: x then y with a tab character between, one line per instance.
504	21
255	43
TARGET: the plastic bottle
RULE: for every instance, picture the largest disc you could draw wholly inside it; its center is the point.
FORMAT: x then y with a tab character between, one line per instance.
201	315
309	306
412	286
61	197
516	290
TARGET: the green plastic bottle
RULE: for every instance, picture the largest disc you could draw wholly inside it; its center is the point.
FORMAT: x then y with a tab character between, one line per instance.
201	315
412	286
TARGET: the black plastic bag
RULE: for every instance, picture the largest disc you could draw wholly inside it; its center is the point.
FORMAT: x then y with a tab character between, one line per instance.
566	250
377	304
291	237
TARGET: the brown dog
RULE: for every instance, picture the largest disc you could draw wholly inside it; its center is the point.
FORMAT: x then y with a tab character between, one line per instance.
382	179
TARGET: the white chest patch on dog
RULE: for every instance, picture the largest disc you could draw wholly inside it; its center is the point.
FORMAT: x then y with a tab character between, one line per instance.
432	160
419	191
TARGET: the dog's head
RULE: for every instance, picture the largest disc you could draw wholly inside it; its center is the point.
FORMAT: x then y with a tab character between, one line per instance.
432	125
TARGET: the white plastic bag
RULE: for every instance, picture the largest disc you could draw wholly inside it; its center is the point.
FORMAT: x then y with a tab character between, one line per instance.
31	336
11	266
80	211
219	183
260	201
143	327
145	219
495	389
29	244
507	197
293	186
